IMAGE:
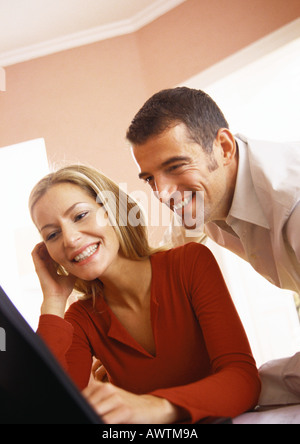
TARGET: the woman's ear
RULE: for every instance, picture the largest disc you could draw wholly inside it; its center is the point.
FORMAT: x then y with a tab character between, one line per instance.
227	143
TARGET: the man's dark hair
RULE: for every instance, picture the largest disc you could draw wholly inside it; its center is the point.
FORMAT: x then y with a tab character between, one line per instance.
196	109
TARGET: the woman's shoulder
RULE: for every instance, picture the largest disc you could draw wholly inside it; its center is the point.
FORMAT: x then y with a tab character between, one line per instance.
186	256
190	249
79	307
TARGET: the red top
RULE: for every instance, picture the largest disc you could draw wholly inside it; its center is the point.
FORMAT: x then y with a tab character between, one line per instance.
203	360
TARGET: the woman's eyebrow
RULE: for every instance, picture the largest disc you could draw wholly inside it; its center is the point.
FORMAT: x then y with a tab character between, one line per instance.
47	226
69	210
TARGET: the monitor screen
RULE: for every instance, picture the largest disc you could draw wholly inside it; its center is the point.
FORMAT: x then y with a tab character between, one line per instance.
34	389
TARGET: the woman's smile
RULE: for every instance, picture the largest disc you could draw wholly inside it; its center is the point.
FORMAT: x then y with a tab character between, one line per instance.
86	253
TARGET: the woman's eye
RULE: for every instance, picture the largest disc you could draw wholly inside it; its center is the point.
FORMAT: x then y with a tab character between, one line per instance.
80	216
51	236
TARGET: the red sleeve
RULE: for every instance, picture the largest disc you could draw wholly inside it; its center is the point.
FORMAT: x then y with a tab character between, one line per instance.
234	385
58	335
69	345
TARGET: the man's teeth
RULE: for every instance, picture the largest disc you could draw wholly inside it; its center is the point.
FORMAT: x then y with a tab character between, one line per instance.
183	203
86	253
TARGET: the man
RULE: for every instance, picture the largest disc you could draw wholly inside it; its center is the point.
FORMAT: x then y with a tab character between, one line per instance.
183	146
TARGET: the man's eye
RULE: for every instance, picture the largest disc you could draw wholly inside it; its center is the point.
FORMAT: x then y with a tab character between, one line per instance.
148	179
174	167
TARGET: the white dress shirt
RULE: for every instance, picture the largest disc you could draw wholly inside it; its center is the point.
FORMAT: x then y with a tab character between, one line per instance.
263	224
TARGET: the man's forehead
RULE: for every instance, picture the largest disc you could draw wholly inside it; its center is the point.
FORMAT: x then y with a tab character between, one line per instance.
147	157
171	140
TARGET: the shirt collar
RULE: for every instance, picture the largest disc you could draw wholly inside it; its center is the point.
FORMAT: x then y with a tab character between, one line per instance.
245	205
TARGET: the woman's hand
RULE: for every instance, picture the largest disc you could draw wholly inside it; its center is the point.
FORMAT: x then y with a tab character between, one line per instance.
98	371
56	288
117	406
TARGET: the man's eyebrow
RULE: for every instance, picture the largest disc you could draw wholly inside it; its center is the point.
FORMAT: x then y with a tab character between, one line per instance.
167	163
176	159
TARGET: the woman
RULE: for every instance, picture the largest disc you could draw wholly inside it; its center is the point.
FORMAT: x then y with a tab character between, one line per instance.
162	323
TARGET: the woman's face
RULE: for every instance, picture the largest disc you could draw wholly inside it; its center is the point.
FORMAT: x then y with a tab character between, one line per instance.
76	231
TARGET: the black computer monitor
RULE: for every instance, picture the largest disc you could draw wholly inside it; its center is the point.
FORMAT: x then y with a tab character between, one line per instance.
34	389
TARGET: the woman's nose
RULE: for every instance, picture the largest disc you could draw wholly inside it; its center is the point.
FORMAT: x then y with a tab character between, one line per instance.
70	236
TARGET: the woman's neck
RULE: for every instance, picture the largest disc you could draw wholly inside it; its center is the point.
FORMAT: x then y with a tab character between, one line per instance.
130	285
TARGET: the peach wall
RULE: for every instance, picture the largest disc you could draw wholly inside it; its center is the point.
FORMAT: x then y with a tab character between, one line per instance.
199	33
82	100
78	100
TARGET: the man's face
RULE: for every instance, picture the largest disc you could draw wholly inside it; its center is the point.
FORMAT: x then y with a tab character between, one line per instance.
181	174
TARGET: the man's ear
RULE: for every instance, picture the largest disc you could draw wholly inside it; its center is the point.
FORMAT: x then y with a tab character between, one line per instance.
226	142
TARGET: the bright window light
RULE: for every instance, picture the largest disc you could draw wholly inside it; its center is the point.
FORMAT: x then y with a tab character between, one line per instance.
21	166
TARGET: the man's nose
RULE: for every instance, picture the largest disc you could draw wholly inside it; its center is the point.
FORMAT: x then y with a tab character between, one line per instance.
164	189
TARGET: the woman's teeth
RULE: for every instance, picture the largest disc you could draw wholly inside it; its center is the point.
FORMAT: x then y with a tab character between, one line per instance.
86	253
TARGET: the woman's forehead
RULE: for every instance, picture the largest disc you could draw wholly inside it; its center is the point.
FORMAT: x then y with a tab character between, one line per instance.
59	198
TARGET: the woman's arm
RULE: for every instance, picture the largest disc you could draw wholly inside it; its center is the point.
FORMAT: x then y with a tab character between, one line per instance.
59	334
233	386
69	344
117	406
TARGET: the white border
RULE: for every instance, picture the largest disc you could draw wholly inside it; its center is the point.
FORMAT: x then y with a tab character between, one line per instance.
149	14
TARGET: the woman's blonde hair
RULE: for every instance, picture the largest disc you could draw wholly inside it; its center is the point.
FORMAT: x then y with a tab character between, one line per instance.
133	238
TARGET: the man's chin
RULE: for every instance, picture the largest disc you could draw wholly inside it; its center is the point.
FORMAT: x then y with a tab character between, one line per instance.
190	224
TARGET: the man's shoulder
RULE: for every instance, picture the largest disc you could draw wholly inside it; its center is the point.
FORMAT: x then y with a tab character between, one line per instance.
275	169
268	149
